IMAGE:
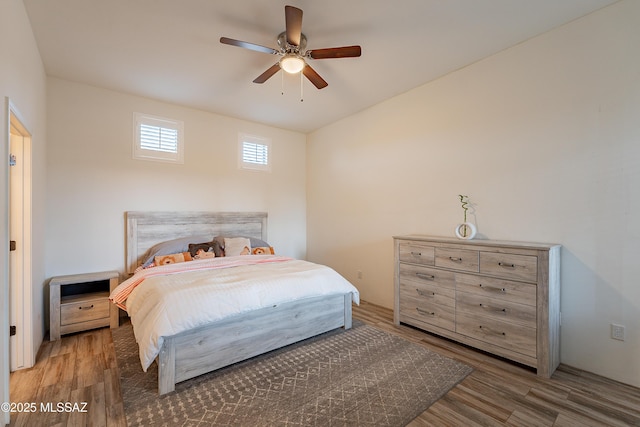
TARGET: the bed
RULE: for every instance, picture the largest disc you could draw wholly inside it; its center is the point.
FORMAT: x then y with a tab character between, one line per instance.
260	327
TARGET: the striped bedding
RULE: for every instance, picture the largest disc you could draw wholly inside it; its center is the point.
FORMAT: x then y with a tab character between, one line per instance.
166	300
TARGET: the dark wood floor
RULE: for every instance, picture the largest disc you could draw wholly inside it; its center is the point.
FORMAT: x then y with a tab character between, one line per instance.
82	368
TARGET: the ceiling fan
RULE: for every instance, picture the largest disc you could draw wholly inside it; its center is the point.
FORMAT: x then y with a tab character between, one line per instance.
292	44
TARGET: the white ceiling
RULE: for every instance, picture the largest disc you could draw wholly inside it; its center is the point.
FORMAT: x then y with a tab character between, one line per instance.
169	49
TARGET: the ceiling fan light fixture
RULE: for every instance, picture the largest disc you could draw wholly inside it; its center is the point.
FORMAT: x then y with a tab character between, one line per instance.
292	63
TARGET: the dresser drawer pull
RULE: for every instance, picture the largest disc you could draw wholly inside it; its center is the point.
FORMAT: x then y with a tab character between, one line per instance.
416	253
85	308
455	259
421	311
426	276
488	307
492	288
425	294
488	330
506	265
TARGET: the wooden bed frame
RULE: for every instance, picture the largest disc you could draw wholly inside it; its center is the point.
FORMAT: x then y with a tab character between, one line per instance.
215	345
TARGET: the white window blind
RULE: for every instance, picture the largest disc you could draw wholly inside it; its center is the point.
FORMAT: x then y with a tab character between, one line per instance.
158	138
253	152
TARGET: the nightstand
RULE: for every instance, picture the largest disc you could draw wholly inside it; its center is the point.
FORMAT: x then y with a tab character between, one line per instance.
80	302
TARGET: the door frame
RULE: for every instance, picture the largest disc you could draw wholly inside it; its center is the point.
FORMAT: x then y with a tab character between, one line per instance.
22	354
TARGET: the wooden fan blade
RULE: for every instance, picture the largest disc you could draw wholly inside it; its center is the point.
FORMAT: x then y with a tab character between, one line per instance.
314	77
293	20
247	45
267	74
336	52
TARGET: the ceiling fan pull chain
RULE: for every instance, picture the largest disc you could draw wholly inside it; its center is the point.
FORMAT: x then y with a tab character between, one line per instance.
282	84
301	86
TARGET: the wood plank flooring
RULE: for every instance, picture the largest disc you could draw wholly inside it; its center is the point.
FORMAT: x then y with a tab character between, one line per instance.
82	368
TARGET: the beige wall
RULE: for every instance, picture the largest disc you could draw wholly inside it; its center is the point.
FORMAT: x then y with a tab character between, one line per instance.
22	80
545	141
92	178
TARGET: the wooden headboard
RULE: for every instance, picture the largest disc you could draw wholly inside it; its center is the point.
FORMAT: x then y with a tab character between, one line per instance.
145	229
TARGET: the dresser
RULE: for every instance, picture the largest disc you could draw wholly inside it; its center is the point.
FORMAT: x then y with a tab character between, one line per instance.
500	297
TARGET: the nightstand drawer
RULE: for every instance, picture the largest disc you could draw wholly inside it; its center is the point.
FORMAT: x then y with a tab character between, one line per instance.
84	310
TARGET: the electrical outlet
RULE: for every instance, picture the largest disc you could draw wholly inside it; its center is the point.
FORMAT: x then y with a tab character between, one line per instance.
617	332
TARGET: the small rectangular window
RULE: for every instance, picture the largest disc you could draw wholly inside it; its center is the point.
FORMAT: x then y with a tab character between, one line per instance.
253	152
158	138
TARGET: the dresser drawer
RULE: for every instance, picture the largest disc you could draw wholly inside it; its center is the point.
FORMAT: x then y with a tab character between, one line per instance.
416	253
509	266
430	293
419	274
420	312
84	311
457	259
499	289
502	334
506	311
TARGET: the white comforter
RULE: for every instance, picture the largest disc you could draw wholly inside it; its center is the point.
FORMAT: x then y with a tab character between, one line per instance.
200	292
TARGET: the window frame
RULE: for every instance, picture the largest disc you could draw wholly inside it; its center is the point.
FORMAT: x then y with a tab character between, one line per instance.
162	123
258	140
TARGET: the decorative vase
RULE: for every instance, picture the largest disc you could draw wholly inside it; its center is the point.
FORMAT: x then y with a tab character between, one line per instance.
466	231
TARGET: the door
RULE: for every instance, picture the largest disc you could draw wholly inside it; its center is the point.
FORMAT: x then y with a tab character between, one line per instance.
20	288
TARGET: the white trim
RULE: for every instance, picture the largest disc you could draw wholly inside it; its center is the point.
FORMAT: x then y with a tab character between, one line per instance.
4	275
140	153
259	141
24	357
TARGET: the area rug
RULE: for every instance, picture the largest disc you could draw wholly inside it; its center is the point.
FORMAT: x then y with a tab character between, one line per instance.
359	377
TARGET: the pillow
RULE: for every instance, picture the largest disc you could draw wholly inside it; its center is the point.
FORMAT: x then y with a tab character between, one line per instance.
204	250
172	258
170	247
255	243
234	246
262	250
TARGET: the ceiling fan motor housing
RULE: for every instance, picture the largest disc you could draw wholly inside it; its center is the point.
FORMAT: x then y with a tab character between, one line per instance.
287	48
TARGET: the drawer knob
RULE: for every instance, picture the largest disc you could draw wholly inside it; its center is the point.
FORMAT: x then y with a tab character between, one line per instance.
506	265
426	276
85	308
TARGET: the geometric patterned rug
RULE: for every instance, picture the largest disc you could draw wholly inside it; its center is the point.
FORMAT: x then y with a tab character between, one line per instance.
359	377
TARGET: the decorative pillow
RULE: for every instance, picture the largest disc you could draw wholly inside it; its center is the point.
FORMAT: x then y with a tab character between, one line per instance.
170	247
203	250
206	247
255	243
263	250
172	258
234	246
